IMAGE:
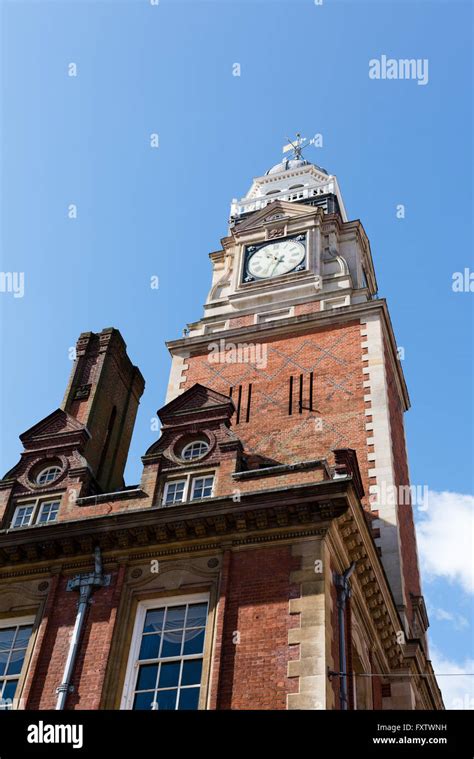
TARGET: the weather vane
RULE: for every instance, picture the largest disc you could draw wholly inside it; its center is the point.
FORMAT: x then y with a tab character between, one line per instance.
296	145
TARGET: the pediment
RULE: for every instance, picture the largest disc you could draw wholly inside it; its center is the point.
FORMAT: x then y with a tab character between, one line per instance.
196	401
59	423
277	210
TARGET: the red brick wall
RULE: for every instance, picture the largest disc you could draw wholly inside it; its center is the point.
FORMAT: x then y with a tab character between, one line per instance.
401	477
308	308
52	649
334	355
240	321
253	672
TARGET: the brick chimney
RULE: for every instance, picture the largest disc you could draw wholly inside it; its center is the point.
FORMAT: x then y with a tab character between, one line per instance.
103	393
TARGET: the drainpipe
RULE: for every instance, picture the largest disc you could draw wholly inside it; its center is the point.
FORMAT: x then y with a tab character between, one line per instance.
85	584
343	588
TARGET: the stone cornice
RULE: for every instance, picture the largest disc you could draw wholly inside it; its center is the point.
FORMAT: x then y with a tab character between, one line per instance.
353	542
262	515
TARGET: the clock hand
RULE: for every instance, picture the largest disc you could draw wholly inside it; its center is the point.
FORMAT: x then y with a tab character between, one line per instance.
278	261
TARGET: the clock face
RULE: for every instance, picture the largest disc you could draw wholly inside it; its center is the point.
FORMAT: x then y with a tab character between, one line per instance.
275	259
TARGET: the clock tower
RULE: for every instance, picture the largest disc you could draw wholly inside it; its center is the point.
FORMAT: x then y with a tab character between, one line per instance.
294	332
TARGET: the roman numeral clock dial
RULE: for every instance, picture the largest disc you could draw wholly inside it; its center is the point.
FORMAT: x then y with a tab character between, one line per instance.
274	259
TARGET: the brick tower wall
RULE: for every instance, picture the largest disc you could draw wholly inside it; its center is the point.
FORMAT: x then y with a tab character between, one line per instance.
337	420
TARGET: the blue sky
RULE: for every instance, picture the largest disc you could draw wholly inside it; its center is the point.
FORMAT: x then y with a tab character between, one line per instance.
167	69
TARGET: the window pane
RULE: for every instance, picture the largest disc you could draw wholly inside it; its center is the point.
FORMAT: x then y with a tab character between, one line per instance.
188	698
16	662
192	671
23	636
193	642
197	614
147	677
175	617
143	701
150	647
8	693
49	512
7	635
171	643
13	643
166	699
3	662
169	674
154	620
194	450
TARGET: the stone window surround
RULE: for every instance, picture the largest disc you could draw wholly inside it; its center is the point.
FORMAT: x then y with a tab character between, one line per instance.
27	619
140	612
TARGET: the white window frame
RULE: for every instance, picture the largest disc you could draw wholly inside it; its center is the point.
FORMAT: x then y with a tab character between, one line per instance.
189	480
41	508
37	504
47	469
131	674
192	486
166	488
18	622
24	505
189	445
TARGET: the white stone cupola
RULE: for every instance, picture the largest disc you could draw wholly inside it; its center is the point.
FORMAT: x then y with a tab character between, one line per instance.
293	180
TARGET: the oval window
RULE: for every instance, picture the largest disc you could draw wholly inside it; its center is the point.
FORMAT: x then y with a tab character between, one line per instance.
49	474
194	450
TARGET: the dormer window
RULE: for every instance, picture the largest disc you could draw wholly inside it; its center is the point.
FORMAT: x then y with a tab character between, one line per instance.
35	512
47	475
194	450
189	488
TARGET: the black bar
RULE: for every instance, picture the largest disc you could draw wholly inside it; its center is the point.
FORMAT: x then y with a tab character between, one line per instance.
369	733
249	399
239	403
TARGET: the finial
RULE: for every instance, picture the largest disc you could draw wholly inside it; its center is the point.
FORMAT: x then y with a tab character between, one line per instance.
296	145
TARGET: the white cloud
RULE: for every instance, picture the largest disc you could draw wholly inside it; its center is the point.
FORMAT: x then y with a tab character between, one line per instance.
458	687
459	622
445	534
